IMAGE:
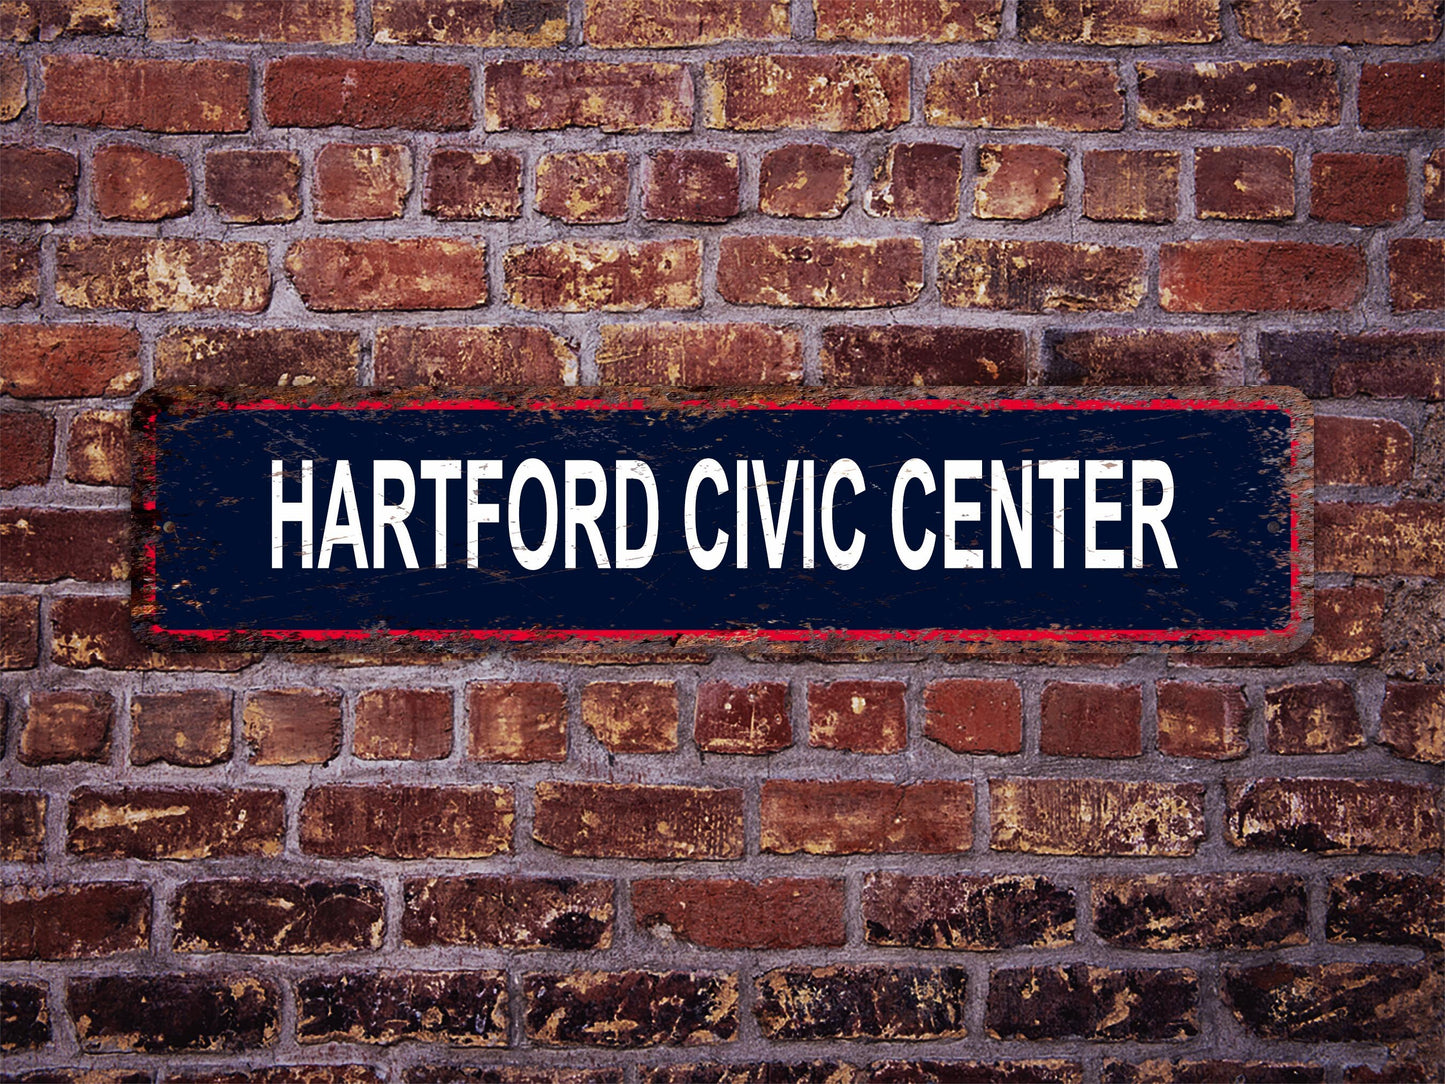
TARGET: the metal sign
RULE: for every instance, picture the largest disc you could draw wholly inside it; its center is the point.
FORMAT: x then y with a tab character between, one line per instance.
934	518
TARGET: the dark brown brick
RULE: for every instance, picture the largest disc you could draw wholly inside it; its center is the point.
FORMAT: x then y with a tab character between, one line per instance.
905	354
875	1003
1096	817
1390	907
331	23
250	186
1090	720
292	726
866	817
1347	624
630	1009
319	91
516	721
1393	1071
19	631
1358	189
1039	276
632	716
1374	539
24	1015
690	186
141	274
1131	185
95	630
702	354
74	922
175	823
1119	22
43	545
507	1074
1312	718
358	181
917	181
805	180
751	720
974	716
487	23
541	95
1403	95
1362	451
778	913
1300	22
27	441
1218	96
459	1008
278	917
611	276
1209	1070
471	356
154	95
1019	180
1092	1003
1433	198
820	272
469	185
583	188
338	275
98	451
1204	911
626	820
508	912
62	727
1003	92
1389	364
137	185
346	821
276	1074
1204	721
937	21
157	1014
259	356
65	361
1250	183
58	19
1091	357
14	85
39	183
832	93
1412	721
403	724
1417	273
974	913
1333	816
22	825
1343	1002
797	1072
19	272
1259	276
191	729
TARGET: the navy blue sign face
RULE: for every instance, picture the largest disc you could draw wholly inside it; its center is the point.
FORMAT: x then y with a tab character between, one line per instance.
931	519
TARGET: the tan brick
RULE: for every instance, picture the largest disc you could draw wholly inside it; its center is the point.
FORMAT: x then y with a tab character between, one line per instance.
611	276
1096	817
833	93
167	275
632	716
699	354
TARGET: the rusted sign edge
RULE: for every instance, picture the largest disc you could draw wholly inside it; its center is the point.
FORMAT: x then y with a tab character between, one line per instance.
837	645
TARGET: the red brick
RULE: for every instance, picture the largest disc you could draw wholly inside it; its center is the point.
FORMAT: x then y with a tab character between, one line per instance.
917	181
539	95
1412	721
1323	22
1019	181
278	917
1215	96
508	912
1407	538
43	545
974	716
175	823
154	95
292	726
699	354
27	445
966	913
583	188
1333	816
472	22
630	1009
22	825
643	24
1358	189
403	724
632	716
13	87
943	355
1088	720
942	22
690	186
339	275
611	276
39	183
1249	183
866	817
357	181
629	820
471	356
74	922
190	729
19	272
1433	198
62	727
319	91
162	275
1204	721
517	722
95	630
341	821
254	186
1417	273
751	720
1119	22
1259	276
832	93
1131	186
53	19
1039	276
136	185
332	22
1315	718
1092	357
1000	92
805	180
778	913
1362	451
98	451
19	632
1347	624
1403	95
467	185
858	716
267	355
1096	817
164	1013
820	272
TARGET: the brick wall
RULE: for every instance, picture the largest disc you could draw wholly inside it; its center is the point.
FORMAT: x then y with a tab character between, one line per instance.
508	868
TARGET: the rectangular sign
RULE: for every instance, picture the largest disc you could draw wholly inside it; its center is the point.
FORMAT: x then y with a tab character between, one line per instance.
934	518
